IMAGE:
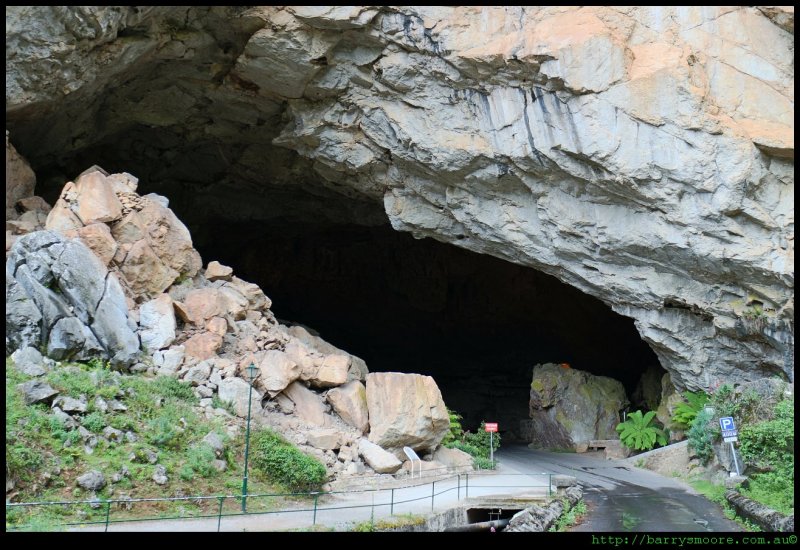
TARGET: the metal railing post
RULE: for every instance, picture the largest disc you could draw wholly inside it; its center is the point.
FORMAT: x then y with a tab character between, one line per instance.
433	492
549	485
219	513
459	487
108	513
391	506
467	489
314	522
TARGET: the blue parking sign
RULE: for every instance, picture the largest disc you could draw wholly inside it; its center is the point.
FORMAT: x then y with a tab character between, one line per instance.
726	423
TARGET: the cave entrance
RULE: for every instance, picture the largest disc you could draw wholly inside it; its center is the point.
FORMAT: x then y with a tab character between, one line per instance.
475	323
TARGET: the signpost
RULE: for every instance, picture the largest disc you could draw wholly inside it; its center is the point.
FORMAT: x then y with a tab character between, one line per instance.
730	435
491	427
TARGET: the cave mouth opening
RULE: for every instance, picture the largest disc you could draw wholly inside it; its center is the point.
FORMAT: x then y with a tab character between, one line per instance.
475	323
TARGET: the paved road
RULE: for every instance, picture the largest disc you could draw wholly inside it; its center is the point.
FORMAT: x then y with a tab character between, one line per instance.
621	497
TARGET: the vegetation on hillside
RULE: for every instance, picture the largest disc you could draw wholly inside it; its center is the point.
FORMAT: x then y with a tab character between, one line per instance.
161	426
766	441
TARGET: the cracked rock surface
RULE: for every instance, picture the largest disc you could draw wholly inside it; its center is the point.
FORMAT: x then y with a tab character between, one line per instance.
643	155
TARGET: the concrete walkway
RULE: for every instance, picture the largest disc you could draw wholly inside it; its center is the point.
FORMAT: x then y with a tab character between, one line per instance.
340	511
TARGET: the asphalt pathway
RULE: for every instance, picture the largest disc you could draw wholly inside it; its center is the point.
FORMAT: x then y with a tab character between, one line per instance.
621	497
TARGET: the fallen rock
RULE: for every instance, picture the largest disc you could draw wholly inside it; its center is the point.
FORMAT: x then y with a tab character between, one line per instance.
308	405
169	361
405	410
332	372
455	459
29	361
325	439
91	481
95	199
98	238
198	374
113	434
569	406
277	372
378	459
36	391
66	420
213	440
349	401
157	323
70	405
216	271
235	390
203	346
160	475
89	305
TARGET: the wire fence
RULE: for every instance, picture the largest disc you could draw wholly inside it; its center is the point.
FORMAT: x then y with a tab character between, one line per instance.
279	511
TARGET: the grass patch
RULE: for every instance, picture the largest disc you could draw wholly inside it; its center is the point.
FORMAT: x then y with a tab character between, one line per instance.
281	462
569	517
161	412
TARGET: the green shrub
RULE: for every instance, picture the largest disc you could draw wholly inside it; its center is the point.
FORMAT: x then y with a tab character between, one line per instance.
199	460
639	431
162	432
94	422
770	444
481	463
282	462
569	517
167	386
701	436
481	439
456	432
471	450
686	412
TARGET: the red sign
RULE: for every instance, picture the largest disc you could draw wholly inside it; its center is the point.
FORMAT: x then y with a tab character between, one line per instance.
491	426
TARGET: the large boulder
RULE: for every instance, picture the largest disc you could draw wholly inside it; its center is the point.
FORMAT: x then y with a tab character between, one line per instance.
454	459
350	402
569	407
36	391
81	310
277	372
236	391
307	404
157	323
405	410
378	459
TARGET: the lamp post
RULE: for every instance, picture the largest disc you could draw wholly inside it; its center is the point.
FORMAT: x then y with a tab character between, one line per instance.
251	375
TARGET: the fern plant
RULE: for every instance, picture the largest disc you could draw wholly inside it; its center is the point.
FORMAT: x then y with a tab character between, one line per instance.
639	431
686	412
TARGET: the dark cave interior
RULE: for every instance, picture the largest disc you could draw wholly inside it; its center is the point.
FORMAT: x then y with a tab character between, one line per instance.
477	324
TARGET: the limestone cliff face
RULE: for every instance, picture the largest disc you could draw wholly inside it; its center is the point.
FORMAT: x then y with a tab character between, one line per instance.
643	155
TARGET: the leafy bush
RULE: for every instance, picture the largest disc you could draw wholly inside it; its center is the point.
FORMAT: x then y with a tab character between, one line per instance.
639	431
569	517
701	436
199	460
770	444
282	462
456	431
94	422
686	412
471	450
167	386
482	438
162	432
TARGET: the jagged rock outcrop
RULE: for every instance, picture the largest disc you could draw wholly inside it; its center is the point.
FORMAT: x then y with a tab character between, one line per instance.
641	154
569	407
60	297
